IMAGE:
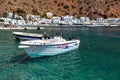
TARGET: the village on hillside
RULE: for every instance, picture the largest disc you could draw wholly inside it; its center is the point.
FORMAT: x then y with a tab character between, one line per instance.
50	20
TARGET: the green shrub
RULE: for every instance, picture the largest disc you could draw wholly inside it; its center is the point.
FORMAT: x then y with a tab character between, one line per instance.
55	1
9	2
73	6
66	6
35	12
19	11
4	14
2	1
1	20
66	13
15	0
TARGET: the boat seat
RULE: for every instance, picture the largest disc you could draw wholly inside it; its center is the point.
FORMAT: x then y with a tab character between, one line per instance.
58	39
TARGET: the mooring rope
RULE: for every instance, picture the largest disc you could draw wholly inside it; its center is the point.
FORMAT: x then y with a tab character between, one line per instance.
9	65
12	64
21	59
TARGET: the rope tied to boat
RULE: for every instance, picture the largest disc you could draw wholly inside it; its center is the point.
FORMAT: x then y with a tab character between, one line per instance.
12	64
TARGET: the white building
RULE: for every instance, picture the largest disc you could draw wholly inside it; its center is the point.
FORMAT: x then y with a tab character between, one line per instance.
99	19
56	20
84	19
49	14
10	15
67	18
6	20
32	17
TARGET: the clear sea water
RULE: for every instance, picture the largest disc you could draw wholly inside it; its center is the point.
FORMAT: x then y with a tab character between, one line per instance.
97	58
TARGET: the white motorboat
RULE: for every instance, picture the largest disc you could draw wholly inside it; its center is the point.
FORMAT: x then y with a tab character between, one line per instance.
48	47
28	36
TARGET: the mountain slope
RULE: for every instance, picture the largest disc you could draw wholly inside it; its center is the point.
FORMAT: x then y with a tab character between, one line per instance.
77	8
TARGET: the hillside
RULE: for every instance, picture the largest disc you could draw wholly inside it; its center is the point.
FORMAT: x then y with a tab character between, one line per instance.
77	8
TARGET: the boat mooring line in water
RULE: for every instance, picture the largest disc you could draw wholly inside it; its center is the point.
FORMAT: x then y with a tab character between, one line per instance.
21	59
16	61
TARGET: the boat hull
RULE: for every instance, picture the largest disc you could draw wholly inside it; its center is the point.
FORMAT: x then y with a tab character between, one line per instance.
27	36
22	37
50	50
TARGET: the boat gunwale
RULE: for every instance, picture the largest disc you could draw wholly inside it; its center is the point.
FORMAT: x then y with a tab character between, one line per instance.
55	44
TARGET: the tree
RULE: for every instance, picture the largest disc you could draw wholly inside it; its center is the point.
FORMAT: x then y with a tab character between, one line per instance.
21	12
5	14
66	6
1	20
35	12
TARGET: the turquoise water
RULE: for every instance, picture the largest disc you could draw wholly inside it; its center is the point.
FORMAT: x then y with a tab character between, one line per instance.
98	57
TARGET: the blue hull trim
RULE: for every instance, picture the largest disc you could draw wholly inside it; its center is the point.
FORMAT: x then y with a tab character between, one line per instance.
27	37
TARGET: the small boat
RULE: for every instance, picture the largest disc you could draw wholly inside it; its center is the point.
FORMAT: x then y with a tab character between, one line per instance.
48	47
28	36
